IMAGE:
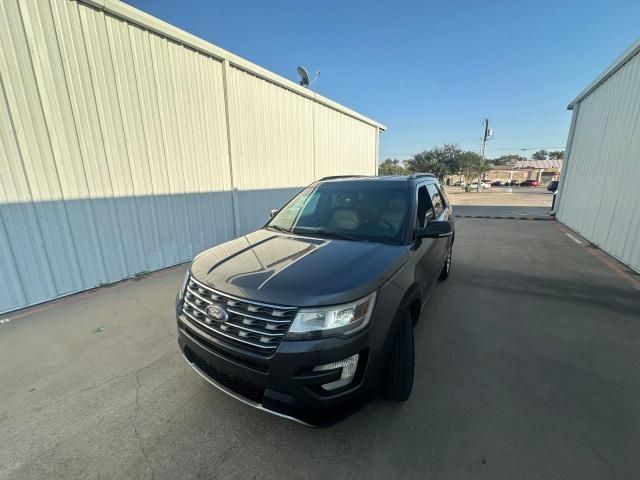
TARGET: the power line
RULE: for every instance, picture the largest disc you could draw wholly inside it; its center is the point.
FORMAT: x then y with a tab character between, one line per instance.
531	148
504	148
441	120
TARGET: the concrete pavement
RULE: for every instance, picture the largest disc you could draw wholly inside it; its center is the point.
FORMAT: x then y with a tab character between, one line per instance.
527	367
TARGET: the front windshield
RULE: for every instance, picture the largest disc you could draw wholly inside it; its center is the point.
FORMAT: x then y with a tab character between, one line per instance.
348	211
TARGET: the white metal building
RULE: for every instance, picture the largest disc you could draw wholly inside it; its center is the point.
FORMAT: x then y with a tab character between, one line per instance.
128	145
599	192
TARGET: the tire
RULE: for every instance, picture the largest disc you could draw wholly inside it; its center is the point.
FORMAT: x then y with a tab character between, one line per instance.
401	363
446	268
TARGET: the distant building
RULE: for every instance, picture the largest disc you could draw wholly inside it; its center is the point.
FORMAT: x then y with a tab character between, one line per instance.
539	164
540	170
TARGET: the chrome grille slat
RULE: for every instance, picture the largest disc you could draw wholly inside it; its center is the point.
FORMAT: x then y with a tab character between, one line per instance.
224	334
195	294
252	325
257	317
213	290
242	327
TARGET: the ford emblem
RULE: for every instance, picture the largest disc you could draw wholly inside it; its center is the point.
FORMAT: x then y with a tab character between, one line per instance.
217	314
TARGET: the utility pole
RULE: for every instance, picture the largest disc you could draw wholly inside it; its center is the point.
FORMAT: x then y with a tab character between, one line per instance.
487	134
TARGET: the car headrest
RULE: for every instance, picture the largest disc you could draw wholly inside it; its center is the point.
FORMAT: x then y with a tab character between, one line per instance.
345	219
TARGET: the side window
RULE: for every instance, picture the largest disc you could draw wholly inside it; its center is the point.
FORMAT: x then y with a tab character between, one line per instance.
424	212
436	199
443	195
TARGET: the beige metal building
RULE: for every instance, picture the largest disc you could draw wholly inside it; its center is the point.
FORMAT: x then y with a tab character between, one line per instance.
599	191
128	145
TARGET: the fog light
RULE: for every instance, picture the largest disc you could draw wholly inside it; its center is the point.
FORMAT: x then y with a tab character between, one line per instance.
348	366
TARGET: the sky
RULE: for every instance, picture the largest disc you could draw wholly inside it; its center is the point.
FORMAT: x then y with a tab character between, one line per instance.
429	71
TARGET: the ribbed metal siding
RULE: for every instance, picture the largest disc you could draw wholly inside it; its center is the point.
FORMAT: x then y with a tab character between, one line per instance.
271	144
600	197
343	145
281	142
115	151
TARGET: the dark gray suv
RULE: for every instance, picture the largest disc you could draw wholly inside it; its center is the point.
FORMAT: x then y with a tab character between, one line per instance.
310	316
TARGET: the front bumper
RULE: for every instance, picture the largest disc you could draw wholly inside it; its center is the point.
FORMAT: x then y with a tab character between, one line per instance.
284	383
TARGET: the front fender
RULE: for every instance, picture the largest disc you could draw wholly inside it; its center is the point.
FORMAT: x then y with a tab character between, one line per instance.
395	298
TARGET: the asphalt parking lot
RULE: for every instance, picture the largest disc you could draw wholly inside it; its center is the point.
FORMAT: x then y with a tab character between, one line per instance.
528	367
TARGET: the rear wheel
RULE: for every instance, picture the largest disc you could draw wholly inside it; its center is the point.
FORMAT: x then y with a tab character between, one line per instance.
401	363
446	268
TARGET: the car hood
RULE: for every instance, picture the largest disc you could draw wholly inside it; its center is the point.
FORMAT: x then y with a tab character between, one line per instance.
297	270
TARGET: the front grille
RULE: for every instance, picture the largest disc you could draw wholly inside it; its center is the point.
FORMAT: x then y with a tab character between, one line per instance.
253	326
196	334
246	389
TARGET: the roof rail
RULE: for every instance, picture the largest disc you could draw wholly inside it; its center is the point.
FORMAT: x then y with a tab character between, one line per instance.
332	177
413	176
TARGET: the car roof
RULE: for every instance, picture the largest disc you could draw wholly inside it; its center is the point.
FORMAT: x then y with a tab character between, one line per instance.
384	179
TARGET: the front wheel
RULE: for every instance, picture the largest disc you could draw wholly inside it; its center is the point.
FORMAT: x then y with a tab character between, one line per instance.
401	363
446	268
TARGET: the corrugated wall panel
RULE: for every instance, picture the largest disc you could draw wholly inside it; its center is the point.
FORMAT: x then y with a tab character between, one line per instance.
273	139
271	145
36	220
115	140
125	145
281	142
600	198
343	145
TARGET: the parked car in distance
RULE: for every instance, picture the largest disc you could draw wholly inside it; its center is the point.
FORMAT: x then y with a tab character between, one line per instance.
552	186
460	184
513	183
530	183
313	314
474	185
500	183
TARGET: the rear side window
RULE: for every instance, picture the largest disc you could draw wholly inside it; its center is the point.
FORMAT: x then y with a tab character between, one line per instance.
436	199
424	212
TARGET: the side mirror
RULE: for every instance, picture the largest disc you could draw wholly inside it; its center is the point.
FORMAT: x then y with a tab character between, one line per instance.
273	212
435	229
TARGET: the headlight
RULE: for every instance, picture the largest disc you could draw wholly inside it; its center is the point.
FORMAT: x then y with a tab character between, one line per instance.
338	320
183	288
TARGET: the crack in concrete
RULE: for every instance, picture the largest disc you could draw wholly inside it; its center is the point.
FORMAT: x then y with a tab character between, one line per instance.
604	460
596	452
155	314
136	433
104	382
134	422
124	375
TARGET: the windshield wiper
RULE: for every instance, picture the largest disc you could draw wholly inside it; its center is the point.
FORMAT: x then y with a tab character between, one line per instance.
278	228
325	233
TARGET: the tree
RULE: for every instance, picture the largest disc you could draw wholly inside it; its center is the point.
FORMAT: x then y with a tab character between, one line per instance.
441	161
472	166
556	155
540	155
504	159
392	167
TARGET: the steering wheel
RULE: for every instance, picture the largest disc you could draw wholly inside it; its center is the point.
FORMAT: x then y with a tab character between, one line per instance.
380	221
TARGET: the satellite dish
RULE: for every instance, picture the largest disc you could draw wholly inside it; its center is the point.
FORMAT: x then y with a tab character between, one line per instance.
304	77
